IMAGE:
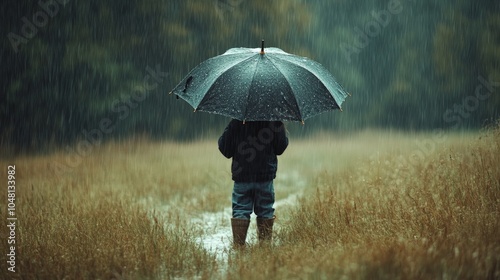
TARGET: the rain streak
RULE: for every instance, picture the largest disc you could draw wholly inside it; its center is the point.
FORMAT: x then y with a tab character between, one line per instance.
250	139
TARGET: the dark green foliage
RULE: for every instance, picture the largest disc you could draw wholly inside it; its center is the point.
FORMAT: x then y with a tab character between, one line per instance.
69	65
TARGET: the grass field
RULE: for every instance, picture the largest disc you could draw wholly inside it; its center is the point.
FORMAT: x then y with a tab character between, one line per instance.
372	204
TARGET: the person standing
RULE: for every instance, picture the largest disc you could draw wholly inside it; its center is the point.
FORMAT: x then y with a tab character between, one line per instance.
253	147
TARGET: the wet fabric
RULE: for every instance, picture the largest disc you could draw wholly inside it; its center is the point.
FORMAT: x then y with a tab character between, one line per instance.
253	147
257	197
246	85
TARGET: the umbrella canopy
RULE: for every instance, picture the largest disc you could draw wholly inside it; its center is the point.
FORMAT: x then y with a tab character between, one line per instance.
261	85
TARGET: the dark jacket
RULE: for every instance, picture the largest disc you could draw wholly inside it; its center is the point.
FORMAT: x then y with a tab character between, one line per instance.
254	147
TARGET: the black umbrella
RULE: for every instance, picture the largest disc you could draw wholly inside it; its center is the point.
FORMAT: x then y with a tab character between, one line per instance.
257	85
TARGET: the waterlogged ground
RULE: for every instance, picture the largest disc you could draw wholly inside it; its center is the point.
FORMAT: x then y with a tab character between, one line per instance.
214	228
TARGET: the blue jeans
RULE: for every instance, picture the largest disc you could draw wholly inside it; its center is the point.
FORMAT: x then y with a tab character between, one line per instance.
257	197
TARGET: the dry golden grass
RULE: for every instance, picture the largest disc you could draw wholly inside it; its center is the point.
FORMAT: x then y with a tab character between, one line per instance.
96	219
433	219
83	236
374	205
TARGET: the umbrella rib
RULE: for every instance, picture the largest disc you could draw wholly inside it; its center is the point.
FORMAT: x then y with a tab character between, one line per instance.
179	89
294	97
248	90
341	89
215	80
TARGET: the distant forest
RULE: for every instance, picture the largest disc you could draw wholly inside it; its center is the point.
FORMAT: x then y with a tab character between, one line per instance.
74	69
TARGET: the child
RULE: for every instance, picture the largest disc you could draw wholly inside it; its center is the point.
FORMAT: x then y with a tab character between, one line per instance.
254	147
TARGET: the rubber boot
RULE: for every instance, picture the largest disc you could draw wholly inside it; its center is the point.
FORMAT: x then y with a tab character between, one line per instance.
265	229
240	228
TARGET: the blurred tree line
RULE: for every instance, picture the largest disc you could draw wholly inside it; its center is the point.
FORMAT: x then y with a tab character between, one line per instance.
74	69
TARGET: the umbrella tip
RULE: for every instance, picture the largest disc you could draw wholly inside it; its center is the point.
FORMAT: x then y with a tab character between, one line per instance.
262	47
